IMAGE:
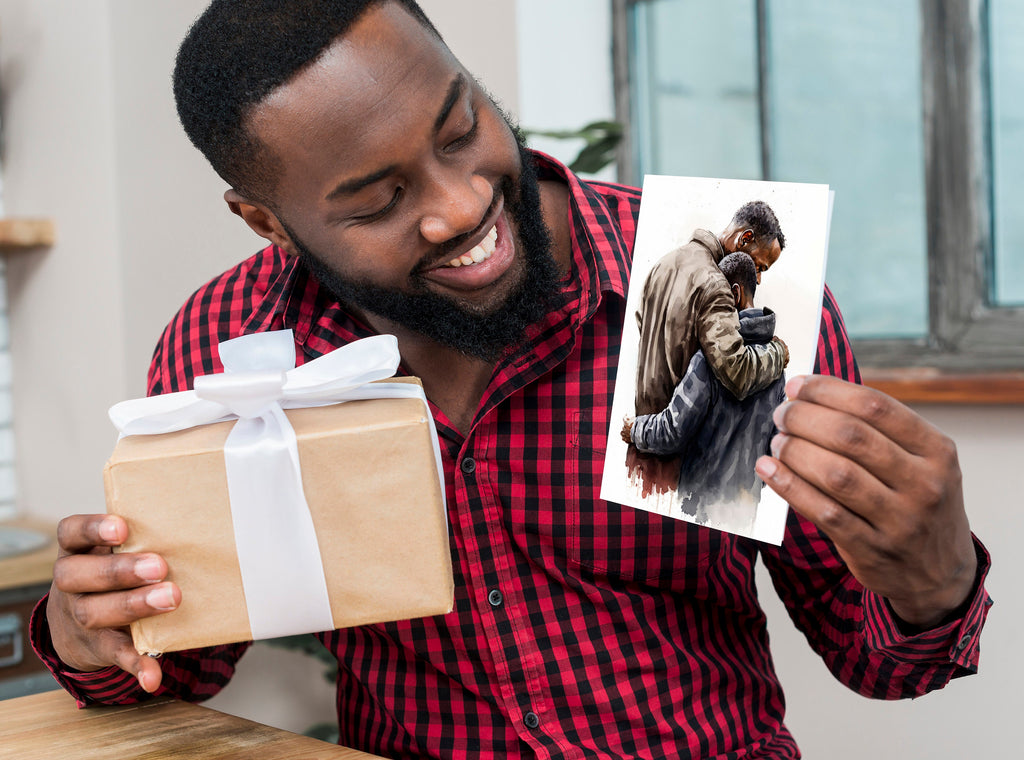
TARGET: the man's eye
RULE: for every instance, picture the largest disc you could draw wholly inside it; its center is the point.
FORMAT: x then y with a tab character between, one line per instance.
371	217
461	142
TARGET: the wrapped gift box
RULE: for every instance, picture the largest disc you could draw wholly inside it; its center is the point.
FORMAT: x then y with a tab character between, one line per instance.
371	480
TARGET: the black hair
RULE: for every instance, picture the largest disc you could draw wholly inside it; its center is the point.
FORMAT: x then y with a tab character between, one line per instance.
758	216
739	269
238	52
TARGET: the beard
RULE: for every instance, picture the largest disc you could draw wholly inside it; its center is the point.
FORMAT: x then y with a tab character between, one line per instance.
443	319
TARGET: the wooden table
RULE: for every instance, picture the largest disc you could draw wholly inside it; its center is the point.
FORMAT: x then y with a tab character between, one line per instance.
50	727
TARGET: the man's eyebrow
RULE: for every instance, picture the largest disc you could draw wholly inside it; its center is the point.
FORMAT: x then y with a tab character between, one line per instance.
454	93
353	186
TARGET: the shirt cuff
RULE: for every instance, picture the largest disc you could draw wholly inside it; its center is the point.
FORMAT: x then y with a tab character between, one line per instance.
110	685
952	641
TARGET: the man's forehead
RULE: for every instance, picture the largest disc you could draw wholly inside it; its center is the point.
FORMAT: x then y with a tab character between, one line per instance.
361	106
371	59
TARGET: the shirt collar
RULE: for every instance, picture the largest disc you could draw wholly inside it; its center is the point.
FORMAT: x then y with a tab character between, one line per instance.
600	255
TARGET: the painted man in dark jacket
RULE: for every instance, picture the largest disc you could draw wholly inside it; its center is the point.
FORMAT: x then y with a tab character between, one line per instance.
685	307
717	437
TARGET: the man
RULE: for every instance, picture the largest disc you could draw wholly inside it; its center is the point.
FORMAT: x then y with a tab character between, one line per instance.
372	161
717	437
686	306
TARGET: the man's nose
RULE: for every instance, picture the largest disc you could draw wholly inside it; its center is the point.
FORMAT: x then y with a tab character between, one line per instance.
456	203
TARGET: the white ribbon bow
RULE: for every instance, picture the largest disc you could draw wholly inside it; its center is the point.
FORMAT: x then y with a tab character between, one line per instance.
282	571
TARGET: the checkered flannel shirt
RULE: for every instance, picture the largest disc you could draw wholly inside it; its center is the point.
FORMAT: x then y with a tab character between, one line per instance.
581	628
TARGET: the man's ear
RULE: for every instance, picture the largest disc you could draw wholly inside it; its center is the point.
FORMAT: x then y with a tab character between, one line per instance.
261	220
737	294
747	237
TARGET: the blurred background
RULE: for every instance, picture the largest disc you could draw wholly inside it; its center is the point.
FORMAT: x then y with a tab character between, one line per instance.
907	110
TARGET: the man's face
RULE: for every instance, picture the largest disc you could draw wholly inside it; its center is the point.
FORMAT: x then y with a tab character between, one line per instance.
403	187
764	255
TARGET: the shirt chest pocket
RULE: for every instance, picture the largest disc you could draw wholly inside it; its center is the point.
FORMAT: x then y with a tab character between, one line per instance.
625	543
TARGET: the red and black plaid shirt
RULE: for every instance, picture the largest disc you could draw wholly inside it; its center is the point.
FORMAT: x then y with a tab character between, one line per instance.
581	628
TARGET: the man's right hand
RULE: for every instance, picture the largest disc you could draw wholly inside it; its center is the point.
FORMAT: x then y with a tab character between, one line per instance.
785	350
96	594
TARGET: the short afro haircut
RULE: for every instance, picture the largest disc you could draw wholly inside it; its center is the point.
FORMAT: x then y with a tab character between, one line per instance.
238	52
758	216
739	269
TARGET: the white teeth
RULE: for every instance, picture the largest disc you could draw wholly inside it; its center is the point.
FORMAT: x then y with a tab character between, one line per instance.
480	252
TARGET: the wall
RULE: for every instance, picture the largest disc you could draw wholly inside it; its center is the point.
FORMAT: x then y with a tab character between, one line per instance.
975	716
91	140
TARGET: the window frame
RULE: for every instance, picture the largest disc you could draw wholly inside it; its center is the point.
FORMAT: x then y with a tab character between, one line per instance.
974	351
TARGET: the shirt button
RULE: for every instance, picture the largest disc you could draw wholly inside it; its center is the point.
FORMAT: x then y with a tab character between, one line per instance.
495	598
468	465
964	642
530	720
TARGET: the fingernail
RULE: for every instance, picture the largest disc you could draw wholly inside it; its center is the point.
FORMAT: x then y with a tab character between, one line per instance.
779	415
149	569
108	530
793	386
777	442
143	682
160	598
766	468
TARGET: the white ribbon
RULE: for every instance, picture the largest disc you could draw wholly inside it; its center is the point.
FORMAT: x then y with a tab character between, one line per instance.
282	571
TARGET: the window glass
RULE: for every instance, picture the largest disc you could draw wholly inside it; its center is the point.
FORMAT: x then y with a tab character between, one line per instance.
695	85
1006	30
845	95
844	109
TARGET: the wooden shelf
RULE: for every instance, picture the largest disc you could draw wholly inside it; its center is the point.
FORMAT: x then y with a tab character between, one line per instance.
23	232
32	567
930	386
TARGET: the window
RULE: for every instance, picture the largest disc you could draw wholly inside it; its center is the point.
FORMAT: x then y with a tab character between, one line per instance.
907	110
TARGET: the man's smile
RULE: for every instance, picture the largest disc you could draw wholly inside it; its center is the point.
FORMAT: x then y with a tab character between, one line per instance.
480	252
480	265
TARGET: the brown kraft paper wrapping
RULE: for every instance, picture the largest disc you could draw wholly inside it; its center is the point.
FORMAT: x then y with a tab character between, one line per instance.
371	481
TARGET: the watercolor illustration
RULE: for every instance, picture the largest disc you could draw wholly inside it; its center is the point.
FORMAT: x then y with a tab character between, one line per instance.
724	305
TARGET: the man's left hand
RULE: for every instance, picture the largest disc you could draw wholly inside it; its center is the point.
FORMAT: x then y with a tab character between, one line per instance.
627	429
884	485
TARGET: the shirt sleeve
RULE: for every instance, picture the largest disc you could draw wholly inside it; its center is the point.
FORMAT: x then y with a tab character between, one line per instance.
743	369
193	675
670	430
854	630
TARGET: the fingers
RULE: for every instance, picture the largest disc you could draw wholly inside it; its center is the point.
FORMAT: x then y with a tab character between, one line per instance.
627	429
87	573
115	647
97	594
886	415
82	533
844	434
117	609
822	482
839	523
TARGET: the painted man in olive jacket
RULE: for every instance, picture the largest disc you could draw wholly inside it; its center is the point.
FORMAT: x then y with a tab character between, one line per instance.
716	437
686	306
